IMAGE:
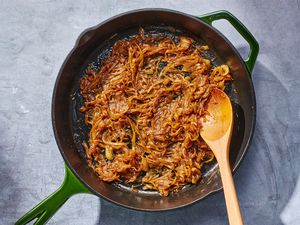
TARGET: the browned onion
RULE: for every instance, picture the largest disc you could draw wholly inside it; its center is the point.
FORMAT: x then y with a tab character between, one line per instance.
144	107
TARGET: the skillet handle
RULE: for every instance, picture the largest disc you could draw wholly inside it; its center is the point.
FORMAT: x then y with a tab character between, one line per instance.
237	24
48	207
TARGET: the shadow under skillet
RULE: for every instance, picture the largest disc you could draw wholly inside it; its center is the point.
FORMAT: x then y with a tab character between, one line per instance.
265	180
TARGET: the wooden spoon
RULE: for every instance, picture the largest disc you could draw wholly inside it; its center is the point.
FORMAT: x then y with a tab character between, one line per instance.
216	132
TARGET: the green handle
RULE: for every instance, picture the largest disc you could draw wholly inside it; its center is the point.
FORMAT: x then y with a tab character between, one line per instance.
254	47
47	208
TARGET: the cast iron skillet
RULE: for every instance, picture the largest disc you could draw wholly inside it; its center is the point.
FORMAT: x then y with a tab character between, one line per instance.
91	47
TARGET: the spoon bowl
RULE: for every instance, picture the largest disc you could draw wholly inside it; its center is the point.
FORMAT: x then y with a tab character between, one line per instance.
219	119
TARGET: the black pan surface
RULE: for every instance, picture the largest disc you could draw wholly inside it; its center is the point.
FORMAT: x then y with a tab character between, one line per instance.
93	46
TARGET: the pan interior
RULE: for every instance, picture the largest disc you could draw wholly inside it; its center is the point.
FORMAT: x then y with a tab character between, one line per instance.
80	131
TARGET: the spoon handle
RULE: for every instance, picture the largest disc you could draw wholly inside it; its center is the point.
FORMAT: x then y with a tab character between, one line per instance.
232	204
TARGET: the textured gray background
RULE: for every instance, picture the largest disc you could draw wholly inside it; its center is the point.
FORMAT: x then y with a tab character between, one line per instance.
36	36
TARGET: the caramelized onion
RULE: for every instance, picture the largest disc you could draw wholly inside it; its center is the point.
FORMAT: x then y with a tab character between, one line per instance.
144	107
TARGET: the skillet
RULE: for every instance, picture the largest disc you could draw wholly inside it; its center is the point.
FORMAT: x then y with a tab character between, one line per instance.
92	46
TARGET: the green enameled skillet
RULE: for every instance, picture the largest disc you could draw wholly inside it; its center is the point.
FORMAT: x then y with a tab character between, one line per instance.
92	46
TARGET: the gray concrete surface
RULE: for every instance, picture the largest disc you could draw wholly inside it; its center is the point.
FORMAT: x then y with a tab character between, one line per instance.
36	36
